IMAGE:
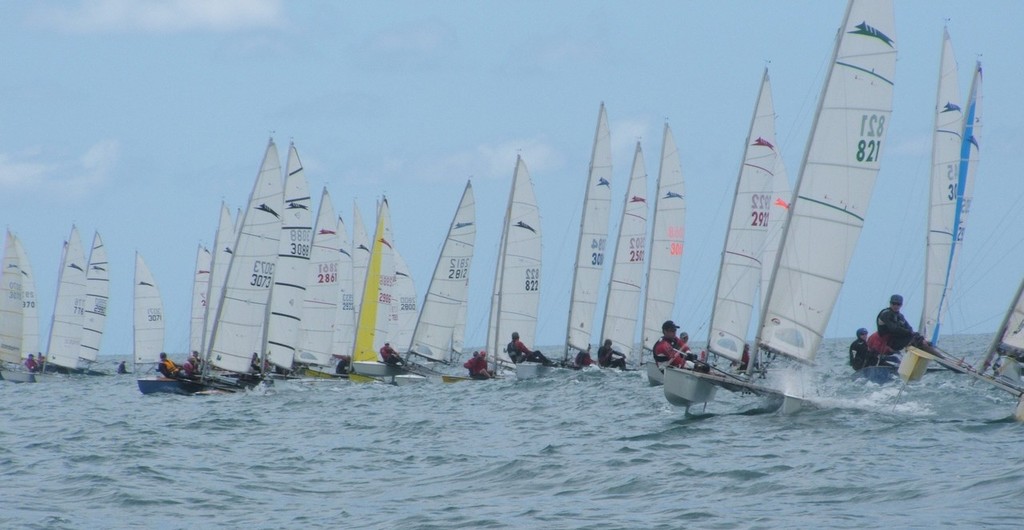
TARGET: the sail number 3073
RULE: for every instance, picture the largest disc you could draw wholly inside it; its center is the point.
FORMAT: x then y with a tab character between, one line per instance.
872	128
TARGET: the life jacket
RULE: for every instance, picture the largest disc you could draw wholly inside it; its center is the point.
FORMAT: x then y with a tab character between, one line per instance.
878	343
170	369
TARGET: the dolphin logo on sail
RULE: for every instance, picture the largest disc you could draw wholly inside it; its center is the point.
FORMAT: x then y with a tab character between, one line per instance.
951	107
763	143
146	284
864	29
97	268
462	225
228	250
292	205
385	242
76	267
345	252
397	273
782	203
263	207
637	199
326	232
603	182
362	247
521	224
672	195
974	142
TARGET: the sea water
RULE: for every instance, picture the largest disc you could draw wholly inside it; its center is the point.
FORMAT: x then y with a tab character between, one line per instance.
575	449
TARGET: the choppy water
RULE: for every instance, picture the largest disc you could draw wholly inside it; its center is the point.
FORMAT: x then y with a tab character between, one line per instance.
591	449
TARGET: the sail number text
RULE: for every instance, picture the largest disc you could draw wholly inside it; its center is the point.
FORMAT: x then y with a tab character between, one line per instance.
872	128
458	268
327	273
597	256
760	206
299	241
636	249
262	274
532	279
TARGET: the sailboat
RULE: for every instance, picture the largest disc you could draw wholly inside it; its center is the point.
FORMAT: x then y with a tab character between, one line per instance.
666	255
97	290
30	328
12	316
223	243
434	333
320	308
620	312
288	292
374	324
746	241
344	335
825	218
955	158
65	341
516	294
590	248
403	305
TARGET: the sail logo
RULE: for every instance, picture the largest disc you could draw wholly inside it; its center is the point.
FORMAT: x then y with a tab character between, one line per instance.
326	232
603	182
782	203
385	242
345	252
362	247
292	205
951	107
76	267
228	250
974	142
763	143
400	273
97	268
264	208
864	29
672	195
637	199
521	224
462	225
146	284
202	272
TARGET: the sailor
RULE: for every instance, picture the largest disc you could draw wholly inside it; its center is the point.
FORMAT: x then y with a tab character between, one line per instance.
477	366
665	348
860	354
607	357
31	365
518	352
121	368
894	333
389	356
583	359
167	367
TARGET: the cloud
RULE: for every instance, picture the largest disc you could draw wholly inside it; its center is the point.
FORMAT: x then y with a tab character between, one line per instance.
28	173
162	16
412	46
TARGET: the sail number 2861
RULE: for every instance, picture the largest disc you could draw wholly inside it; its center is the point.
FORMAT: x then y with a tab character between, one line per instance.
872	128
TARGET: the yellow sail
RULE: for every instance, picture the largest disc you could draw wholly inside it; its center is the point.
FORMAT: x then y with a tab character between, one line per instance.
367	327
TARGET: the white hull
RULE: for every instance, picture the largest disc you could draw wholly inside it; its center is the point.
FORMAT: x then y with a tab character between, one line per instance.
17	377
655	377
531	370
683	388
375	369
408	379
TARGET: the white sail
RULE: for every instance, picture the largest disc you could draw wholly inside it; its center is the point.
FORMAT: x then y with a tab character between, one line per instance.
746	239
288	294
954	163
374	325
516	295
782	195
1009	338
590	249
446	297
320	308
65	340
223	244
360	256
238	326
200	289
403	305
345	320
12	312
148	317
97	291
837	176
666	254
620	312
30	329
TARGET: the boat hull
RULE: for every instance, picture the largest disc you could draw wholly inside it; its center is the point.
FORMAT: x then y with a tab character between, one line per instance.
655	377
375	369
18	377
876	374
531	370
163	385
684	387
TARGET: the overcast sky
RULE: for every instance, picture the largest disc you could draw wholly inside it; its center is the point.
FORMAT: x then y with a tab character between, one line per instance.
136	118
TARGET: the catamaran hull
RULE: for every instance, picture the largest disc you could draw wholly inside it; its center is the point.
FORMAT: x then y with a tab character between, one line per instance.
683	388
162	385
18	377
375	369
531	370
876	374
655	377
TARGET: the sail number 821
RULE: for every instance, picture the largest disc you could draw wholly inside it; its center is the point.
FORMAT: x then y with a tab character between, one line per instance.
872	128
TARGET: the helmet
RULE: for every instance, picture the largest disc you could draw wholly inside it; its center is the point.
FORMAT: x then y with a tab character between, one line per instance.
862	331
896	299
515	334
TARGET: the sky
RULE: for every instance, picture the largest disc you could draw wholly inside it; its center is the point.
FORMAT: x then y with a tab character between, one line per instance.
136	118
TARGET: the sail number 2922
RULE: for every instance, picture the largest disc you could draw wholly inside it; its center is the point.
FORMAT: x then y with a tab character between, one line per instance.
872	128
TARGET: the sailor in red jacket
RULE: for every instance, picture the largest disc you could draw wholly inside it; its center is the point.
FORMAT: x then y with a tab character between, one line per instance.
477	366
